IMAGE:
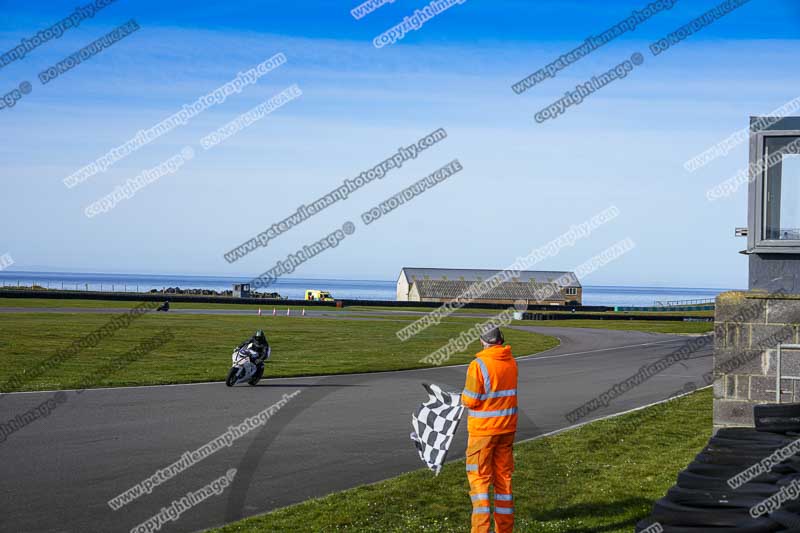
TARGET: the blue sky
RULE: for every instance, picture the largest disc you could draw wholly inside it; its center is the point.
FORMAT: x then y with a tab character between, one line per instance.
523	183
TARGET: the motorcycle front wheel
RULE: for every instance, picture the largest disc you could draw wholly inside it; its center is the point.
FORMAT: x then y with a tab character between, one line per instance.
233	373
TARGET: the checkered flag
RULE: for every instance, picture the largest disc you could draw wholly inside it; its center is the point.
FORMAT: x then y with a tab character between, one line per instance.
435	423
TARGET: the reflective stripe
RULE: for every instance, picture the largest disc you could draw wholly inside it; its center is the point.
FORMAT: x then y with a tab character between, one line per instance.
487	385
503	510
480	510
472	468
471	394
503	497
497	394
481	496
492	414
502	393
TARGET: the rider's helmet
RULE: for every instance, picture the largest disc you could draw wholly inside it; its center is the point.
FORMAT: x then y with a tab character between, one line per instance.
259	339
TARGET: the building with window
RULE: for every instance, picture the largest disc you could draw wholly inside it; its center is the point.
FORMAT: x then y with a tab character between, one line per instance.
444	284
241	290
773	221
755	331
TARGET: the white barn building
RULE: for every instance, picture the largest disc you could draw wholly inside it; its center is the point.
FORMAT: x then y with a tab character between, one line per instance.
444	284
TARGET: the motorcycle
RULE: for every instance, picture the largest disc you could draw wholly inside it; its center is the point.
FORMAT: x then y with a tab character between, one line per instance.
244	369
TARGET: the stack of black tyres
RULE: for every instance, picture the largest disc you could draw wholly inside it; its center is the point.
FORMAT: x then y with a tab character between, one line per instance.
702	500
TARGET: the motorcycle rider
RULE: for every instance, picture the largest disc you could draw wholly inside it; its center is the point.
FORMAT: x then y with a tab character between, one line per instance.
258	347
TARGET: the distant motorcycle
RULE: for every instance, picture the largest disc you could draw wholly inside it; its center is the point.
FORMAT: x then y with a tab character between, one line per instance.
163	307
244	369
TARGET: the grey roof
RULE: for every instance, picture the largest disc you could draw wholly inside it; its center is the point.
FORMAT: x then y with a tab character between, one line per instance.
437	288
469	274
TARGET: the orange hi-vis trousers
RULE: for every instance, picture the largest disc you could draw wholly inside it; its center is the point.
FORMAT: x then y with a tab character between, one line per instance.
490	461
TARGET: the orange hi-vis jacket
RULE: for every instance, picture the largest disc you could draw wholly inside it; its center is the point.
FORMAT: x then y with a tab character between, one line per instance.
490	392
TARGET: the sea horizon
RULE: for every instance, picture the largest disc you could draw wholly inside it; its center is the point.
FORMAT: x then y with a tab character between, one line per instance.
294	287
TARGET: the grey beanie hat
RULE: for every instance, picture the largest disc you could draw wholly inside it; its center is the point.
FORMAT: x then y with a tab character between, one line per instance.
492	336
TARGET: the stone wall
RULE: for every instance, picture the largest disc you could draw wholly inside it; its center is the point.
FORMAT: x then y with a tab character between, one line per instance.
748	327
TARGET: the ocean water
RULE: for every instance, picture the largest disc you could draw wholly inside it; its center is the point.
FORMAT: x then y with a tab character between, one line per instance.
643	296
294	288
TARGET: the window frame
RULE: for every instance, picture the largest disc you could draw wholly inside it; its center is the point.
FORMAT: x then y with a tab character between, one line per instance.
757	194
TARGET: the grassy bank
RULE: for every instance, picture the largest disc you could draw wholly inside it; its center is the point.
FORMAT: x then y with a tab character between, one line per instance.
648	326
652	326
105	304
122	304
602	477
381	312
202	345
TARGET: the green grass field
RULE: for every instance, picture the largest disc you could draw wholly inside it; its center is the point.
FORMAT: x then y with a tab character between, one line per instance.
302	346
602	477
202	346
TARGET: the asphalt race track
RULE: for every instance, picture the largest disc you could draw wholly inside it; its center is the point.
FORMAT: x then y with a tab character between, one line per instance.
57	474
